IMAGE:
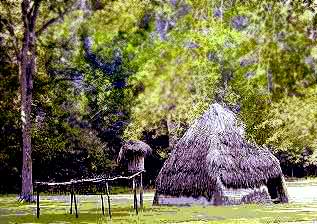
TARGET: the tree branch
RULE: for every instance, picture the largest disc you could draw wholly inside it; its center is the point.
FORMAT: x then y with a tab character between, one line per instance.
51	21
111	68
46	25
10	29
34	13
25	11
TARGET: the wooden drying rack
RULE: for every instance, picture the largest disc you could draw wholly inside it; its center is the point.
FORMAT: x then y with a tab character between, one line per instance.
75	186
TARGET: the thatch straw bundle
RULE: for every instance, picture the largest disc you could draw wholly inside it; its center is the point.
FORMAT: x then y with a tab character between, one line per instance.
213	155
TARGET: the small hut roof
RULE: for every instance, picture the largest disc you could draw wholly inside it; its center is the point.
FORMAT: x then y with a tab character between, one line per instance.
214	150
133	148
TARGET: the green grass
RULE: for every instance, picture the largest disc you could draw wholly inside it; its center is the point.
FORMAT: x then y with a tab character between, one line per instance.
89	212
57	211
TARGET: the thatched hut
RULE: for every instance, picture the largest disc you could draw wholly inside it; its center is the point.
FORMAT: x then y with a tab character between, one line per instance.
214	164
134	152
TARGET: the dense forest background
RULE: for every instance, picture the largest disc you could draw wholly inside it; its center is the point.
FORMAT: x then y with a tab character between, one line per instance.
109	71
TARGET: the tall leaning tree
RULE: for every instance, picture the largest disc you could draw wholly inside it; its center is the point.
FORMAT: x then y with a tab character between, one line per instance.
25	22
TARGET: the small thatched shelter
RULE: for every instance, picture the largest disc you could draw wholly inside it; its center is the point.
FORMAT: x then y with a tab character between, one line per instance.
134	152
214	164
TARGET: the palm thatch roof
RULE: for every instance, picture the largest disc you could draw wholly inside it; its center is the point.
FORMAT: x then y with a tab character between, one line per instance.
133	148
214	153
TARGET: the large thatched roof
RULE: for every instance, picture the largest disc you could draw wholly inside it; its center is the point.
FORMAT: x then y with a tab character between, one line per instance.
214	150
133	148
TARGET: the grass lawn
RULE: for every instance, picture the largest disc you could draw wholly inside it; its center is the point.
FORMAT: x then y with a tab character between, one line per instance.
55	209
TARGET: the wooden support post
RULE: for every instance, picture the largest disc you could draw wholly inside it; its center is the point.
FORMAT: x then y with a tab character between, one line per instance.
75	202
108	195
134	195
71	202
37	202
133	186
141	191
102	206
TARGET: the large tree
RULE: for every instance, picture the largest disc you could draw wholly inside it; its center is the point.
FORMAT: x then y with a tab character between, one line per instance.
22	23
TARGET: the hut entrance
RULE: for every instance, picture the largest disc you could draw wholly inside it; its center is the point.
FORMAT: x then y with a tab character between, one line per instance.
276	190
272	188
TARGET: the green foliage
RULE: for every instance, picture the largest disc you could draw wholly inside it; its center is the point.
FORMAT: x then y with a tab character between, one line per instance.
179	80
10	134
290	125
278	112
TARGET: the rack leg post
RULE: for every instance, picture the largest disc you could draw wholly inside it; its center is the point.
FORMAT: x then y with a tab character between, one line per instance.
71	202
108	196
102	205
141	191
37	204
75	206
135	197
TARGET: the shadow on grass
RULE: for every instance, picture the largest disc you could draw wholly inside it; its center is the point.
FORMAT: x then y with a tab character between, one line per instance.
92	215
54	218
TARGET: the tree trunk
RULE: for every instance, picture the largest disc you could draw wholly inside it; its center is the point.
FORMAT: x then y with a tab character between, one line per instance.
172	137
27	68
269	81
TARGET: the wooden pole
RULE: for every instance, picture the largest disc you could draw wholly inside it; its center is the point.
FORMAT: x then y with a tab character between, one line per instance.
133	186
135	197
75	205
102	206
71	202
141	191
108	195
37	203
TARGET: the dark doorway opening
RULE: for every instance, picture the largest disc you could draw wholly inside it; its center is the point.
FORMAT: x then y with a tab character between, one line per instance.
276	190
